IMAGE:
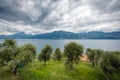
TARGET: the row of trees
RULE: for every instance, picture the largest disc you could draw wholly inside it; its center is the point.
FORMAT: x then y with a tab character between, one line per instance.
108	61
72	52
46	53
15	57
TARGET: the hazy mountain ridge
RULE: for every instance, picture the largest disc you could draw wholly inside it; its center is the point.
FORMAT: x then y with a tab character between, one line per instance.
65	35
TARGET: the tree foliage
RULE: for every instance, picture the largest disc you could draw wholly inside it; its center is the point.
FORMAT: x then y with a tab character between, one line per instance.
27	53
8	51
11	55
72	51
94	55
110	62
57	54
45	54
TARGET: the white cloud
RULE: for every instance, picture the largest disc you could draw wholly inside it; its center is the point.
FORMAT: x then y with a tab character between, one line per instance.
104	26
30	9
17	27
69	15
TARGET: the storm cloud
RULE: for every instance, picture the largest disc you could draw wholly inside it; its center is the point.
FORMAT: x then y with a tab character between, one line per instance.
41	16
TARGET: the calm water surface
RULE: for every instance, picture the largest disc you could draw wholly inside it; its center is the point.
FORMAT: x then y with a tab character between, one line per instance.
113	45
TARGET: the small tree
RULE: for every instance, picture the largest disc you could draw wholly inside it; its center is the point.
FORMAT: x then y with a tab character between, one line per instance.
57	54
97	56
27	54
94	55
13	56
45	54
110	62
72	51
8	51
91	55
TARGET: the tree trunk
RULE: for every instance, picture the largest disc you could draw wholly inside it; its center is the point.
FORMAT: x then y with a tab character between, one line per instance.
15	72
44	63
71	65
93	63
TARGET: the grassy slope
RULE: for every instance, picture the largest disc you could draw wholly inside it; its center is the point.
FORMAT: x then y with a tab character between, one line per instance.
55	71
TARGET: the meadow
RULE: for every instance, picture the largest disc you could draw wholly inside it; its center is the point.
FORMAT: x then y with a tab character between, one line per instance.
56	70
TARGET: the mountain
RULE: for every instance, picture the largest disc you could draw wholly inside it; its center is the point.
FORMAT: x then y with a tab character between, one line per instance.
56	35
20	35
65	35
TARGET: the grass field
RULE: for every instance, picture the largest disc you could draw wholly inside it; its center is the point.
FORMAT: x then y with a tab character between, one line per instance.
55	70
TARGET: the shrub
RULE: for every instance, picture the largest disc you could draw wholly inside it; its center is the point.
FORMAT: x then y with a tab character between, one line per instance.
110	62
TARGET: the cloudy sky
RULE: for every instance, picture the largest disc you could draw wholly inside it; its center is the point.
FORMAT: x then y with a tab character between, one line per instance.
41	16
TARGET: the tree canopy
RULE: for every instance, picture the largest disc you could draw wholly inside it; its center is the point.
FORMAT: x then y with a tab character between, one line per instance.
94	55
57	54
45	54
72	51
110	62
13	56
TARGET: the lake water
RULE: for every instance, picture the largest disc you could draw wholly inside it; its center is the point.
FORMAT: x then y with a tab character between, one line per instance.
112	45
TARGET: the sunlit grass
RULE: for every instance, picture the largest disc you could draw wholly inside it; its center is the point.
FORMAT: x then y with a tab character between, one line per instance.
55	70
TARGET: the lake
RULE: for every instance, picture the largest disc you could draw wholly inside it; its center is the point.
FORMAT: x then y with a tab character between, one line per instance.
112	45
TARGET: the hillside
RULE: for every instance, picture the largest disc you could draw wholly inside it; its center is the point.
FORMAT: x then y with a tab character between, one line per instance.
55	70
65	35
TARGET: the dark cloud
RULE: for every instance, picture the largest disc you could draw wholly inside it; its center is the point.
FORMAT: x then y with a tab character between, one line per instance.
114	6
106	6
9	12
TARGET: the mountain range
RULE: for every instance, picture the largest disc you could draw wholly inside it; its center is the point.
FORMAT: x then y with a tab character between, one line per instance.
65	35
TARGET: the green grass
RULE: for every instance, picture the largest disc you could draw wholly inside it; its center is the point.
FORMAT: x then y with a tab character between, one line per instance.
55	70
5	74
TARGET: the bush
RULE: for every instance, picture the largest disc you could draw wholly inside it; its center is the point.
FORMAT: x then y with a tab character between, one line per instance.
110	62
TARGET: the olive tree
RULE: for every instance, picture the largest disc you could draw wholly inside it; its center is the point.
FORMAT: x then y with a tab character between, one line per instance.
98	53
110	62
91	55
27	54
13	56
8	51
72	51
45	54
57	55
94	55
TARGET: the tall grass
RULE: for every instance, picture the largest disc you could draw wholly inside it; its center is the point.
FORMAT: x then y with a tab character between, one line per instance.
55	70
